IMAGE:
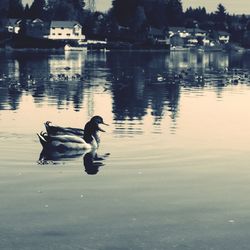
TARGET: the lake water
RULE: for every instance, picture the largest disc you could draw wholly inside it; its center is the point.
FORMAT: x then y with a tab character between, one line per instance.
174	164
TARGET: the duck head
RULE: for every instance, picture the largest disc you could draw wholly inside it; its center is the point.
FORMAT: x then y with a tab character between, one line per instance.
96	120
92	127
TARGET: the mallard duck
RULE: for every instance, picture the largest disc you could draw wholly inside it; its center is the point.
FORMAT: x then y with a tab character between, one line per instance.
64	139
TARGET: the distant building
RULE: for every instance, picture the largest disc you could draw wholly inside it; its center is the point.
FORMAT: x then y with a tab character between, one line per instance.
223	37
13	25
65	30
180	31
207	41
198	33
54	30
192	41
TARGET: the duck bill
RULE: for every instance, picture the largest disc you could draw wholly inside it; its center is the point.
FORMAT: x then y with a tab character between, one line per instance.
100	129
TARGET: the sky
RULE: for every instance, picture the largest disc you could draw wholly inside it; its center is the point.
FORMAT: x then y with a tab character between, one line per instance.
232	6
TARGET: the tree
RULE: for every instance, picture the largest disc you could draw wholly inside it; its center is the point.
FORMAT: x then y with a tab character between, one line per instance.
174	12
65	9
37	9
221	13
124	11
198	14
220	18
156	14
27	11
3	8
139	18
16	9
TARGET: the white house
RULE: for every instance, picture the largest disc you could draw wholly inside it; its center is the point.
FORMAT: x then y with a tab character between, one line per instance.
223	37
65	30
13	25
192	40
181	31
198	33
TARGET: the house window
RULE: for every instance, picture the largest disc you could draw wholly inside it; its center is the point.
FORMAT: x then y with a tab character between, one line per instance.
59	34
53	34
77	34
62	28
68	34
53	28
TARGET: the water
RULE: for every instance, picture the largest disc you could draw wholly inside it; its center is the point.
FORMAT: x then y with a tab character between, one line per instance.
173	168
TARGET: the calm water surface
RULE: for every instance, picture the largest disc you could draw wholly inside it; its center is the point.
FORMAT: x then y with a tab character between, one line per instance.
173	169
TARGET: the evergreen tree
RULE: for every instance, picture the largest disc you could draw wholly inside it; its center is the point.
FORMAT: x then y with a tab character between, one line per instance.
65	9
3	8
16	9
198	14
27	12
174	12
221	13
124	11
37	9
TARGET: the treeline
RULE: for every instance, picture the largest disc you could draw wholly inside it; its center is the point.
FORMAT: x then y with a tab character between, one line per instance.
133	16
47	10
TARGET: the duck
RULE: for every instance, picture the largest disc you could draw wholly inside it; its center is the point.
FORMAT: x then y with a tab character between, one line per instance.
68	139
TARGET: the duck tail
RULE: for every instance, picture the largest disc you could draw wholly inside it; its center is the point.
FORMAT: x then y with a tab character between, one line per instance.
42	137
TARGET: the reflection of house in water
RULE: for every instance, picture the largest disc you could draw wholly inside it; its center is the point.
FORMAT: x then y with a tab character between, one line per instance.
69	64
10	68
218	60
194	60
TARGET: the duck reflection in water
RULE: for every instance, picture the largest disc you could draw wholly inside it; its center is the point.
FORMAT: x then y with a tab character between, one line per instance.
92	162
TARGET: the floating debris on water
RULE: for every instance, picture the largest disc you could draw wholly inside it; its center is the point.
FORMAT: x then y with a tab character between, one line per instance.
46	162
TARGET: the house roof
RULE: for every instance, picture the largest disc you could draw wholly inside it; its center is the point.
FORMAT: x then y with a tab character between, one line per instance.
13	21
187	30
223	33
196	30
178	29
64	24
155	32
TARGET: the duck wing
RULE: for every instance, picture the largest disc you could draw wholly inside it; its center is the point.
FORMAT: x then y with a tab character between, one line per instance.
57	130
62	143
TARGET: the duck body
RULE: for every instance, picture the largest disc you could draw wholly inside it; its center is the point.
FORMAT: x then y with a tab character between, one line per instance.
57	130
71	139
66	142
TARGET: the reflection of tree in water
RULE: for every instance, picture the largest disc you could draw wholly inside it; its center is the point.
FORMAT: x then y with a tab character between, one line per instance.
135	87
3	98
168	95
28	72
138	81
14	100
238	60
